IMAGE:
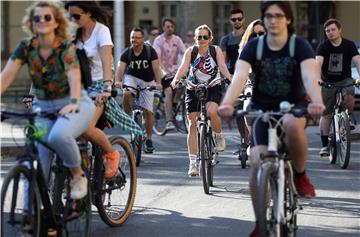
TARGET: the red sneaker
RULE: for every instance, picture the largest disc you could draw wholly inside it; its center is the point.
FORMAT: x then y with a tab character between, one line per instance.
304	186
112	164
255	232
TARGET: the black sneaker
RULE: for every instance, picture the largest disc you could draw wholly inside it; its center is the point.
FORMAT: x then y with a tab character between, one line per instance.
148	147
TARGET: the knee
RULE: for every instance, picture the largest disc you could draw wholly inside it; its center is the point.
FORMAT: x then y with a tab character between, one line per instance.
212	112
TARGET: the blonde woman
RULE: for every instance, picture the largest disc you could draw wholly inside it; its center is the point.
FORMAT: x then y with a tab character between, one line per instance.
55	74
204	67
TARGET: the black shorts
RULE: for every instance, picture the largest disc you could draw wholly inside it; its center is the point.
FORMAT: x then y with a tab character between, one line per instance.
193	104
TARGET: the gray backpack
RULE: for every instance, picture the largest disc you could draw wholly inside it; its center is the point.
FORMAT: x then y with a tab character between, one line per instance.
260	47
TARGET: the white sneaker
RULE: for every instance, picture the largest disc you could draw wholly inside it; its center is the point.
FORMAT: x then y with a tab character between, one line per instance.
324	151
193	169
170	125
78	186
220	142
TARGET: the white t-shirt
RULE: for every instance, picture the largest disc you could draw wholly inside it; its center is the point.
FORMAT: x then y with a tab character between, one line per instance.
100	36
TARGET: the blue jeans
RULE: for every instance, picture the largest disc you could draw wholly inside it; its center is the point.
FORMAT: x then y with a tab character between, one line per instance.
62	132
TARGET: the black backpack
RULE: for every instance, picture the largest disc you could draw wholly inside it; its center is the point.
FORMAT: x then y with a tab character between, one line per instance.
84	62
195	51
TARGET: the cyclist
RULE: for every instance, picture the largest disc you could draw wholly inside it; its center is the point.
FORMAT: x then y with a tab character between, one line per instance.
141	66
333	59
169	47
94	37
204	68
153	33
278	77
255	29
55	74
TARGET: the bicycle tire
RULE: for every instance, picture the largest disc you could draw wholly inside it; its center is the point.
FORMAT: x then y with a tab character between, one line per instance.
210	165
332	143
15	220
159	127
291	204
343	147
75	214
137	140
180	117
243	158
267	201
203	150
121	190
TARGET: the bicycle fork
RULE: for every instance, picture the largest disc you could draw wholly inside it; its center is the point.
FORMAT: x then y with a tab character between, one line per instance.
336	125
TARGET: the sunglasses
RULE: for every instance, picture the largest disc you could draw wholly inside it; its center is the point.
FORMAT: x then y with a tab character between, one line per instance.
37	18
202	37
253	35
154	34
236	19
76	16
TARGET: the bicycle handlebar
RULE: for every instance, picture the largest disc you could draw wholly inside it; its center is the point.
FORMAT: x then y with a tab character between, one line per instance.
332	85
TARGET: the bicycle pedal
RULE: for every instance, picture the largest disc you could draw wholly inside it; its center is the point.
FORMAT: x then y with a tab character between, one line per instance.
214	162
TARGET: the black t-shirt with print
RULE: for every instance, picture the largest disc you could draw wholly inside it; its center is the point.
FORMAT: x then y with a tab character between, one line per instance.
277	75
140	66
337	60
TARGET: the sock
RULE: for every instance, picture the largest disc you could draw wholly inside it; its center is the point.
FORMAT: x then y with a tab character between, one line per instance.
325	140
298	175
217	134
192	157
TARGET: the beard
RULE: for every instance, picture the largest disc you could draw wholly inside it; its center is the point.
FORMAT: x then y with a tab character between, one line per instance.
237	27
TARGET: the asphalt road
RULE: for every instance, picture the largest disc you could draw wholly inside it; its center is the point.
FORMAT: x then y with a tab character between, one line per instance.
169	203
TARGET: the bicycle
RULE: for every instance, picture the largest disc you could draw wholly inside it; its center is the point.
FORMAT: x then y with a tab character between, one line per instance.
37	212
339	135
179	116
278	198
138	116
207	152
242	154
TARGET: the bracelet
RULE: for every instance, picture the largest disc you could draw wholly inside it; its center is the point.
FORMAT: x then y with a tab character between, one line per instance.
74	101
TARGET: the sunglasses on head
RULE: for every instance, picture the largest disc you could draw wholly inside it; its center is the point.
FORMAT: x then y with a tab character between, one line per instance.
37	18
76	16
236	19
204	37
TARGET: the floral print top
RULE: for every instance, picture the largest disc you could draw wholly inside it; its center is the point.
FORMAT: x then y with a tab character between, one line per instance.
49	76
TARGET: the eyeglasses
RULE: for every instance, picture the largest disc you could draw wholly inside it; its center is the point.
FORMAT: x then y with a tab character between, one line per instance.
234	19
76	16
37	18
276	16
154	34
202	37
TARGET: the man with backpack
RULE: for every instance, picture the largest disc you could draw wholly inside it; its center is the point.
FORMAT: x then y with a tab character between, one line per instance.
278	77
140	65
204	61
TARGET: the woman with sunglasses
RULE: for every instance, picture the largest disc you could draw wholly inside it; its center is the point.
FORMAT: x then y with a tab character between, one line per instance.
94	37
55	74
204	68
255	29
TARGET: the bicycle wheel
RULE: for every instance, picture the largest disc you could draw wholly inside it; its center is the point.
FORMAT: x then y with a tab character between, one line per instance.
291	204
76	214
180	117
117	197
204	158
20	215
344	145
211	163
159	127
332	143
137	140
268	201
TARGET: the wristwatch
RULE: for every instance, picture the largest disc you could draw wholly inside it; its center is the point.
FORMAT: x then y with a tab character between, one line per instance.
74	101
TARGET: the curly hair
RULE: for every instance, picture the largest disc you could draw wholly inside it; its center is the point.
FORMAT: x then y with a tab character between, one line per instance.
59	15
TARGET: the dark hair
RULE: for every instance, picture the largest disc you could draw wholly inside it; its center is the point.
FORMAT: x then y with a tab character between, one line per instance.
138	29
258	22
332	21
168	20
98	13
153	28
285	7
236	11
